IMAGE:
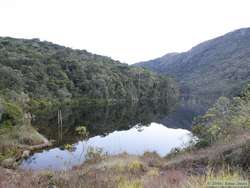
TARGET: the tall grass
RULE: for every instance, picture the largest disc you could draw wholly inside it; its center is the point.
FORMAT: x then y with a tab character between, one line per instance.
221	176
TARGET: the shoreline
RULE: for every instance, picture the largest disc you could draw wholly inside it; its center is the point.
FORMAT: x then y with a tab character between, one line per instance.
148	170
46	143
22	151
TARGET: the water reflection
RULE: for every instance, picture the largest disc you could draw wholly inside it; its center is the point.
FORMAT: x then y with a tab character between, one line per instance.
99	119
188	108
112	127
137	140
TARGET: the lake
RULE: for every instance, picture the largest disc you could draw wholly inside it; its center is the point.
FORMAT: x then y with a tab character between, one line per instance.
113	129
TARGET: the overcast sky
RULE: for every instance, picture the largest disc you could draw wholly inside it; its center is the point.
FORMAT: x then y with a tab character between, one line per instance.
126	30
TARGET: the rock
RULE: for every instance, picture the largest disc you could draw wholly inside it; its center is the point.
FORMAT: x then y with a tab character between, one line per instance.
8	163
26	154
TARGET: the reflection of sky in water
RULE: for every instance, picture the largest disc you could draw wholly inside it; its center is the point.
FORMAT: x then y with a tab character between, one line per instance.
155	137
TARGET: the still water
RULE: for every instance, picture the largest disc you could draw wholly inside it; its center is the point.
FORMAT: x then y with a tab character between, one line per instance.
130	128
155	137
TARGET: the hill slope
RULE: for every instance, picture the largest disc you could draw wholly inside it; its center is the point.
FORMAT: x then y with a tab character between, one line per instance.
46	70
220	66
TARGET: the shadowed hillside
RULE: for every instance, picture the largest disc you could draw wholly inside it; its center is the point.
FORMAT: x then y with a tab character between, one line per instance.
219	66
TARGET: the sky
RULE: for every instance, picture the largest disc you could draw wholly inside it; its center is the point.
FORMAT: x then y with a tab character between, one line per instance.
127	30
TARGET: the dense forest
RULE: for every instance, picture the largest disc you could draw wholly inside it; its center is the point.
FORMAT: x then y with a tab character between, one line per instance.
219	66
46	70
34	72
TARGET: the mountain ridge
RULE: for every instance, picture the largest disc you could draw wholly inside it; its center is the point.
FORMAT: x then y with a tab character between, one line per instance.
220	65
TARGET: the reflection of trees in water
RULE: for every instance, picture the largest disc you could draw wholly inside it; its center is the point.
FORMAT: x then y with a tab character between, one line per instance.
189	107
100	120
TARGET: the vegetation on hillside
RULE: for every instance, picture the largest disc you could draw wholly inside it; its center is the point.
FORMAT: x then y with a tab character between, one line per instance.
219	66
16	131
46	70
226	119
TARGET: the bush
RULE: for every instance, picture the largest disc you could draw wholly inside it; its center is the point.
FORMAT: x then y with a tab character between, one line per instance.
136	166
202	143
12	114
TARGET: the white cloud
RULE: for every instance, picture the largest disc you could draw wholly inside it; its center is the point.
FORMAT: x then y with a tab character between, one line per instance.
127	30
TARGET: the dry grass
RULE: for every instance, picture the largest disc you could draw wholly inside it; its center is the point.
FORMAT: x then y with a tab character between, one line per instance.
213	154
130	184
113	173
166	179
122	171
224	175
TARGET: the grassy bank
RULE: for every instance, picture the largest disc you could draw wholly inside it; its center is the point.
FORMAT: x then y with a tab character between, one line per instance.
192	167
125	171
14	141
16	131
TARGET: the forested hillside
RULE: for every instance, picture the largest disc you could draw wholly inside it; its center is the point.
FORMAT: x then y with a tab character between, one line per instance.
219	66
46	70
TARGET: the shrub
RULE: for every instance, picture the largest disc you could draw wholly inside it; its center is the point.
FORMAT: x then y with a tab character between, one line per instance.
12	115
202	143
136	166
82	131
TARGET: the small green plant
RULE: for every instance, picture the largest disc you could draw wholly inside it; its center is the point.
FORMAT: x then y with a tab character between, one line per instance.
82	131
69	147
